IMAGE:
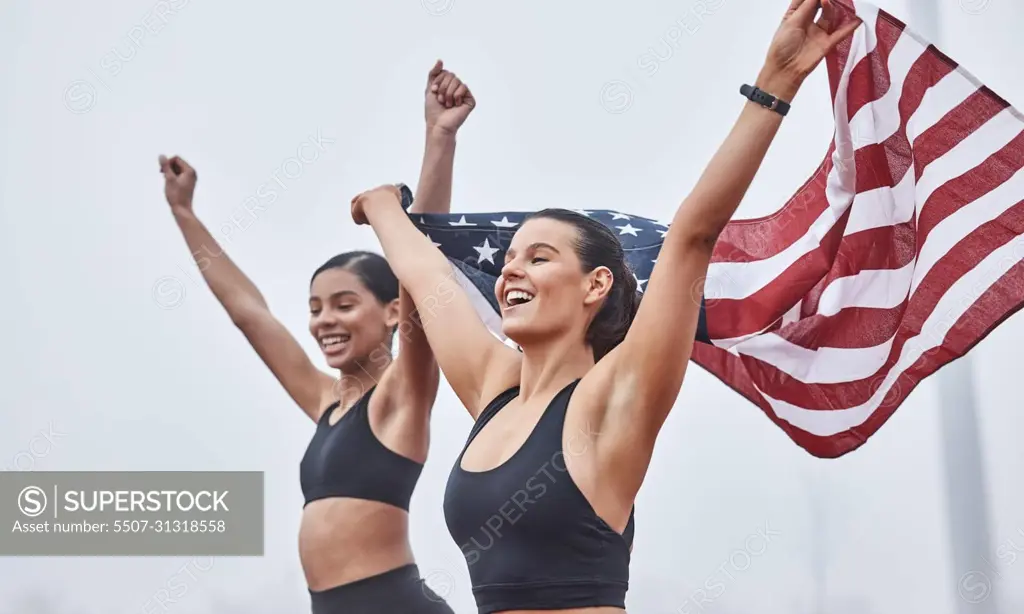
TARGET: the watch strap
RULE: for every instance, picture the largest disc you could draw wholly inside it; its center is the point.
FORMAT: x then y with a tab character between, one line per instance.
765	99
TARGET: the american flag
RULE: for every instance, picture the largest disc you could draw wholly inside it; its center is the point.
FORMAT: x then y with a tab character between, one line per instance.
900	253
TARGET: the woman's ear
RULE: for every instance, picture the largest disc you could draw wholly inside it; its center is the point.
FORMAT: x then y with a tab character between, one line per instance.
392	314
599	285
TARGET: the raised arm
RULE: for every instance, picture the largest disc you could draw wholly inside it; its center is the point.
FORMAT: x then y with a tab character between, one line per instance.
475	363
448	102
647	368
309	387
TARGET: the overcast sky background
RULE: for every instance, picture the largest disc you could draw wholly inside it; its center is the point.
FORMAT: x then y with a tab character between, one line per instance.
128	384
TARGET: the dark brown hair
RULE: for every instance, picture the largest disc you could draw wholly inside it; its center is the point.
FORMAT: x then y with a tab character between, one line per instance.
597	246
371	269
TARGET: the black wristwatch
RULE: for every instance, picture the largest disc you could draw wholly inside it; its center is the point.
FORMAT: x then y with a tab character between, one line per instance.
406	195
765	99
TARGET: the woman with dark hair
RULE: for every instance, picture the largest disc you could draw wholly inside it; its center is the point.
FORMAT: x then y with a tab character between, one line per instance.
541	498
372	433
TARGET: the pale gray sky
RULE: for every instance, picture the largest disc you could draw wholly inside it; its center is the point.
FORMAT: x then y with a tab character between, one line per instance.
237	88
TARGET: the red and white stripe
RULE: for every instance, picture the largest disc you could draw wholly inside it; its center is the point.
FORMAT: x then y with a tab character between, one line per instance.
900	253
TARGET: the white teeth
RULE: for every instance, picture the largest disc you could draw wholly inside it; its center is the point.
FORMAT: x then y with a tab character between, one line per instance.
332	340
518	297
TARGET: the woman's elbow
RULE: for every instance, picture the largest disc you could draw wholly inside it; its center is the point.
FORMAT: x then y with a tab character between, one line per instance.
247	314
699	238
695	231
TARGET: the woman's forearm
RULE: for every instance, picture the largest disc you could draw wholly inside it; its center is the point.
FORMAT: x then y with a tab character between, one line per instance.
720	189
233	289
434	189
416	262
412	256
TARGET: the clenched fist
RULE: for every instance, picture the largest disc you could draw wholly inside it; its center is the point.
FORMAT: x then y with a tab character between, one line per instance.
385	194
179	181
448	100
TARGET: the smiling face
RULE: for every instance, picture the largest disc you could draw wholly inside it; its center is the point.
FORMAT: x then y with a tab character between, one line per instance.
543	290
347	320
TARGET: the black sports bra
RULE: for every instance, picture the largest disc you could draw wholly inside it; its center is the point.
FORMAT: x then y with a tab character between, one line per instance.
347	460
530	537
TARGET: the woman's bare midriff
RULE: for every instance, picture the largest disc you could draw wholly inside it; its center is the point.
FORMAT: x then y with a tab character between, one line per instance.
344	540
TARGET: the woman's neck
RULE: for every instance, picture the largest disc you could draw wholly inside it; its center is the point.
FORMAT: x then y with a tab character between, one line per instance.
356	380
550	365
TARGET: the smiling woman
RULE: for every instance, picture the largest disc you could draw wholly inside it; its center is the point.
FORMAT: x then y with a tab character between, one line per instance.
353	308
365	457
596	248
592	361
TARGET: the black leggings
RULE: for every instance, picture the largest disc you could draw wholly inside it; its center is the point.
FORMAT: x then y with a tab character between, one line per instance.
399	591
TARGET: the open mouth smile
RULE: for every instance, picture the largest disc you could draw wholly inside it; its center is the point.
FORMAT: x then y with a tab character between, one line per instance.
332	344
515	298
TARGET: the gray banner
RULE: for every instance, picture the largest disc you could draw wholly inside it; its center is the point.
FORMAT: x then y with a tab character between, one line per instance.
131	513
